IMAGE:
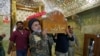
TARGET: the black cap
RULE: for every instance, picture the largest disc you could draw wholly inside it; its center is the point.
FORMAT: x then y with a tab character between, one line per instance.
31	22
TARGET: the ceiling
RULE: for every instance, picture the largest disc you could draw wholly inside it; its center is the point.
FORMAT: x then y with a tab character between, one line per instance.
30	3
5	7
67	7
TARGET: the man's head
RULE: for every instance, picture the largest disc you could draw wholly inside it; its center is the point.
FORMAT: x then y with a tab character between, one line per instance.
19	25
70	29
34	25
3	35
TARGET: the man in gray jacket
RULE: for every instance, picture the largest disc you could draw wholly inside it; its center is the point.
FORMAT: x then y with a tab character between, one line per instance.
71	51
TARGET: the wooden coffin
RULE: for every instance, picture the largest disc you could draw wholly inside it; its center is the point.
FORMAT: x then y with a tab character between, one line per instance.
55	23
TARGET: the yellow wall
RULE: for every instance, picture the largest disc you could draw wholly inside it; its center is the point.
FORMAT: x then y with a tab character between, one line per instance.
86	22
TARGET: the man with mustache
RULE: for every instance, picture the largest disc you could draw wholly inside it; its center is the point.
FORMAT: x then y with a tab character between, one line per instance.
20	38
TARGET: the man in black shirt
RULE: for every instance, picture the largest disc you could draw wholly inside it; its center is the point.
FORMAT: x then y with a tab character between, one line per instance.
62	43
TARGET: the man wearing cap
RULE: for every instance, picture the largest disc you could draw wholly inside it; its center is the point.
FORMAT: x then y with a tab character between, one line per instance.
38	40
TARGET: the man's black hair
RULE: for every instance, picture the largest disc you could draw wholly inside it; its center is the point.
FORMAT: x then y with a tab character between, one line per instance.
19	22
69	26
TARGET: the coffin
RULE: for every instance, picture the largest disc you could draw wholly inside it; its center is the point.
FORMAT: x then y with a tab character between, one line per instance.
55	23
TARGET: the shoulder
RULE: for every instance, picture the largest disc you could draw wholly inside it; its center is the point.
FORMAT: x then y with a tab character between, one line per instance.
14	32
61	34
26	31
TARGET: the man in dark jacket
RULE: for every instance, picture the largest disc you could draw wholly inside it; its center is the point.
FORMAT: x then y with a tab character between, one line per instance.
62	43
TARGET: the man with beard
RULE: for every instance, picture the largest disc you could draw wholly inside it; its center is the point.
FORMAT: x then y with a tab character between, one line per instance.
39	41
20	38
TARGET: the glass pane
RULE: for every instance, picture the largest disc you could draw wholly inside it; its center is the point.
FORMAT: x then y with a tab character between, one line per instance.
91	47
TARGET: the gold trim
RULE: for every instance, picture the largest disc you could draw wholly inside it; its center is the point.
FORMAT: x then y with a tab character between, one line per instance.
13	14
15	6
35	9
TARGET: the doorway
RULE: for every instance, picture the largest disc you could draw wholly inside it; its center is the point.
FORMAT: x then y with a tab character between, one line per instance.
91	45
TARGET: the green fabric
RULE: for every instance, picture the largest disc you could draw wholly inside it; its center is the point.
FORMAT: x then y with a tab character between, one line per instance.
39	44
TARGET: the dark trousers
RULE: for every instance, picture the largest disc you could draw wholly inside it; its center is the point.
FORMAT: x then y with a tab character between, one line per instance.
22	52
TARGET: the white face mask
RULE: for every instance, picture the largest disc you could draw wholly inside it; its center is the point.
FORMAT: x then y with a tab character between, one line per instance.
36	27
37	31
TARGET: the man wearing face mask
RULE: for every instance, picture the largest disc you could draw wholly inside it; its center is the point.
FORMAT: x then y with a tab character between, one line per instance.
38	40
20	38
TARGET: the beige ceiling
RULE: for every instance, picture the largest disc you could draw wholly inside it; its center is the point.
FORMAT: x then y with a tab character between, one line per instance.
30	3
68	7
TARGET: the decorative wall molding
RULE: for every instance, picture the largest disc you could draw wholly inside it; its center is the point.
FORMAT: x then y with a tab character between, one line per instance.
70	7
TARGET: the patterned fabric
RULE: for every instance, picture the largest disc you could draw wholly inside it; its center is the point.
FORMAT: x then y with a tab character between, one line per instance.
39	45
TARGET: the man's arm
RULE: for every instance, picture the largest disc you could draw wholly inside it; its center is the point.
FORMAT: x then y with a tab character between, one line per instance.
2	35
71	38
50	39
55	37
11	43
76	41
70	35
